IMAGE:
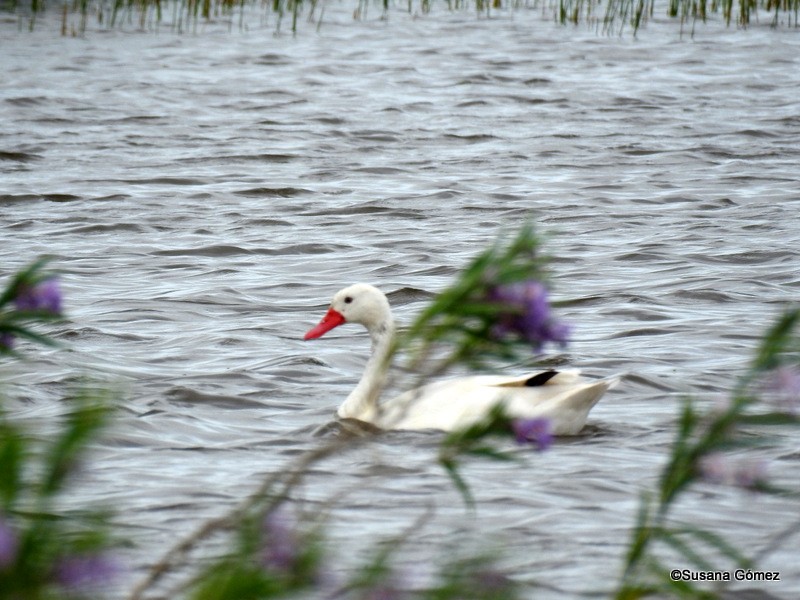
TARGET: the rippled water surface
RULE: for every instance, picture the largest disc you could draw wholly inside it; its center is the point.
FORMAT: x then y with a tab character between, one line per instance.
205	195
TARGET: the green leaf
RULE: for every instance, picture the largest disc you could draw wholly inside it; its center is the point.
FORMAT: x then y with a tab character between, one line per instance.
461	320
489	452
24	332
773	419
679	471
672	538
232	579
640	542
88	416
679	588
776	341
451	467
12	461
29	276
717	542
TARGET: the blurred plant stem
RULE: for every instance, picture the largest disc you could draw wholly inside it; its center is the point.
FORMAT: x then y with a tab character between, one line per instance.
699	437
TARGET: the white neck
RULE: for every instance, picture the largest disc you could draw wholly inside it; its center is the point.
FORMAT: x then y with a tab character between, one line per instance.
362	403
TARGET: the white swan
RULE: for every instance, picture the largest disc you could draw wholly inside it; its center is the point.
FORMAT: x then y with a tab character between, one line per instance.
561	396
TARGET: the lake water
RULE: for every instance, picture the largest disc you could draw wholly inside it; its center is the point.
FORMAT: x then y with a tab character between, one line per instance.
205	194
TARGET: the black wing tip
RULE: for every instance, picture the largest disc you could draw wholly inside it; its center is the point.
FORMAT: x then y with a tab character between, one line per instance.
540	378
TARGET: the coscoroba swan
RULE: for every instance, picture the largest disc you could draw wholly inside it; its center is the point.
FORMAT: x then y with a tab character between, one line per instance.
561	396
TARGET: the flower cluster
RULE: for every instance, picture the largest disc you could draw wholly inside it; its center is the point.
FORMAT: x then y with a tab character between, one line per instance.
281	546
32	300
288	554
81	574
74	575
384	590
9	544
6	341
718	468
477	578
526	313
537	432
45	296
782	389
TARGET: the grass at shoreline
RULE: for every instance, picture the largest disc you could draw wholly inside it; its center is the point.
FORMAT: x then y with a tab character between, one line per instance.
611	16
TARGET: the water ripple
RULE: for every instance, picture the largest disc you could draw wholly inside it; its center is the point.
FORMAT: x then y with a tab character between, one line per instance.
201	228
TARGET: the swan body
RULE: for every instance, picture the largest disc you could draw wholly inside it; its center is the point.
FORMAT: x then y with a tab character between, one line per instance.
561	396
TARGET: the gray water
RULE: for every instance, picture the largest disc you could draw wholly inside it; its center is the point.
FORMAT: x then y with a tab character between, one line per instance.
204	196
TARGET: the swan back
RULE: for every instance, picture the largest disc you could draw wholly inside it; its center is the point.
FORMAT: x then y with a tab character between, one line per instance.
565	399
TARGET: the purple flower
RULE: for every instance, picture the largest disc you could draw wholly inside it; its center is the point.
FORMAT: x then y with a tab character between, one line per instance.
528	314
6	341
538	432
84	572
281	550
491	581
720	469
44	296
9	543
783	388
383	591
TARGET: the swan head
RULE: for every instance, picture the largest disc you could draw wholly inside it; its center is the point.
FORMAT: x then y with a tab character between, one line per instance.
361	303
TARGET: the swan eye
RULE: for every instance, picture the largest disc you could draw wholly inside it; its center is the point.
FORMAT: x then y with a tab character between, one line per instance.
348	300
